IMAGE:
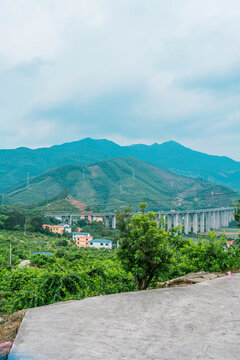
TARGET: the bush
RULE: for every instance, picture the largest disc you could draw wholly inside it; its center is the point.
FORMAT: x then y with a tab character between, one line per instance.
60	280
208	254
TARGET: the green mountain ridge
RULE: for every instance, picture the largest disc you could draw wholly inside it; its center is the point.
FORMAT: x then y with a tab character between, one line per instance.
114	183
17	163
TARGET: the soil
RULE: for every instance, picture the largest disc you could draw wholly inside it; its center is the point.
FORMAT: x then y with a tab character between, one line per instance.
78	204
9	325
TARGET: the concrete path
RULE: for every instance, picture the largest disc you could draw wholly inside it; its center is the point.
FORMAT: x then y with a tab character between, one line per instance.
196	322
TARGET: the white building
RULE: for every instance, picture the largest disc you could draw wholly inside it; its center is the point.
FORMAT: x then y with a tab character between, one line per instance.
78	234
100	243
67	227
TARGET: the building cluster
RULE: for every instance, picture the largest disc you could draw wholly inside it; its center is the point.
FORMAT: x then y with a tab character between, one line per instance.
89	217
83	239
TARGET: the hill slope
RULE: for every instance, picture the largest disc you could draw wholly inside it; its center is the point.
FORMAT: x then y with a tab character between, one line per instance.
15	164
111	184
184	161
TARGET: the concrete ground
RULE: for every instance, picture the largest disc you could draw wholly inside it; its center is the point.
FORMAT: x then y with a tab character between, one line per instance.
196	322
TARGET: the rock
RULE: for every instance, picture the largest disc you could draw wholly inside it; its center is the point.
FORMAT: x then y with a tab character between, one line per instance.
24	263
191	278
5	348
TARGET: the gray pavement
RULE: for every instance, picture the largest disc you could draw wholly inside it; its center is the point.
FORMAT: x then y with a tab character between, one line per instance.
196	322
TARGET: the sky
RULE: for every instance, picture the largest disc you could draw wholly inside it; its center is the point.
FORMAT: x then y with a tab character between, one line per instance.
130	71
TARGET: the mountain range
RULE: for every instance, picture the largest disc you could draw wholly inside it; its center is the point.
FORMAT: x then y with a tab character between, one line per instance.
16	164
112	184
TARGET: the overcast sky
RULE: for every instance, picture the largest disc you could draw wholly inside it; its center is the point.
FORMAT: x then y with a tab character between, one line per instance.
131	71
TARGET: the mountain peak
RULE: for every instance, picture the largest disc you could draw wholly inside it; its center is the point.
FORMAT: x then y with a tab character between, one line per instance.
172	143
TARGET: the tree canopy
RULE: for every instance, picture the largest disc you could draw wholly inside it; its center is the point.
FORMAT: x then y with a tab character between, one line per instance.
237	212
144	248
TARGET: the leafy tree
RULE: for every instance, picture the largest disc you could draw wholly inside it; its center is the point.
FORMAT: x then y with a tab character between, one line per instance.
63	243
124	219
3	218
15	220
237	212
35	223
144	247
143	206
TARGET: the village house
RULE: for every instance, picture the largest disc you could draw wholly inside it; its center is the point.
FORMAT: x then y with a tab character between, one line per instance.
82	239
67	227
57	229
100	243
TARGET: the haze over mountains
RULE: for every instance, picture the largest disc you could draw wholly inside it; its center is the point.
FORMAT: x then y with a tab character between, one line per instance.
114	183
16	163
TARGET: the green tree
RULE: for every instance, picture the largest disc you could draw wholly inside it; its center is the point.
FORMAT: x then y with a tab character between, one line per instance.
3	218
143	206
144	248
35	223
15	220
237	212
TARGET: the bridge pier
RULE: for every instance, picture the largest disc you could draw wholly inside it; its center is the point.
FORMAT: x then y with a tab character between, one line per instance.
169	222
175	220
221	219
213	220
225	218
114	222
228	217
202	222
186	223
217	224
190	223
106	218
208	224
180	219
195	223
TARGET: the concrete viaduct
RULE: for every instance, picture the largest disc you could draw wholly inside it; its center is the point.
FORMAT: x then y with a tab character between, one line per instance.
192	221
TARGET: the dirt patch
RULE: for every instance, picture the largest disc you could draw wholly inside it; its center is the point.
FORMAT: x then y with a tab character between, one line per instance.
9	325
78	204
95	171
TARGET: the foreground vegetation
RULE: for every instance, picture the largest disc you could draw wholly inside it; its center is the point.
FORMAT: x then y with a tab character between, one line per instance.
72	274
147	254
75	273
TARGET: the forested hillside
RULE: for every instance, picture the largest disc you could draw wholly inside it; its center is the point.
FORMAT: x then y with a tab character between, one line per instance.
16	164
114	183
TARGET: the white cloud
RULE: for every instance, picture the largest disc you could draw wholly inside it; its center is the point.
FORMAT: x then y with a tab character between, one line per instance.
55	53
